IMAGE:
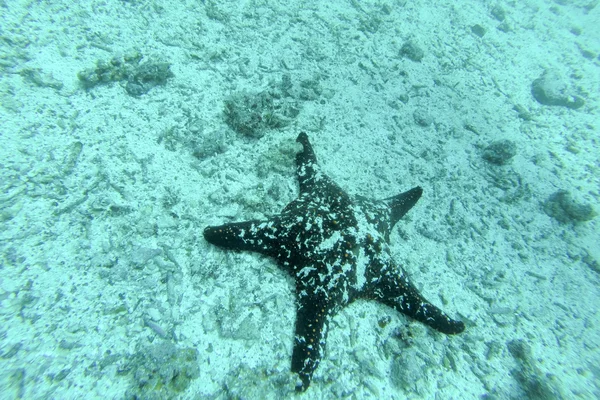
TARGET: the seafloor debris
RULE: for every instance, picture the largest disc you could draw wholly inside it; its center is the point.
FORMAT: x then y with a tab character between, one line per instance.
500	152
561	206
252	114
550	89
534	382
160	372
139	76
412	51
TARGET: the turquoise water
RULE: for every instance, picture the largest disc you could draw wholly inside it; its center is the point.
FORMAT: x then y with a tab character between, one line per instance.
127	127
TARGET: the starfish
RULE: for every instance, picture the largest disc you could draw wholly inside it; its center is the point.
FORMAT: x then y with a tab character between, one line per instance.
337	249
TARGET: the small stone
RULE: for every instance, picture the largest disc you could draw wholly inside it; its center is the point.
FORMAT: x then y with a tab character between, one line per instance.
422	118
498	13
562	207
478	30
412	51
500	152
551	90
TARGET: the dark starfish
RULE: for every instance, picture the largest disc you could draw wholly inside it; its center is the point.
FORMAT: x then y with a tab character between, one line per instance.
336	247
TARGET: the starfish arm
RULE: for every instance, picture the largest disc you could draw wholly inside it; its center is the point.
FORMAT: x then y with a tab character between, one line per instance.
307	169
401	203
255	236
312	181
310	336
400	294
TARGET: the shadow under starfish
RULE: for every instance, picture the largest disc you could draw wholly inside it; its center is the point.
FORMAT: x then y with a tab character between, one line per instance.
336	248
